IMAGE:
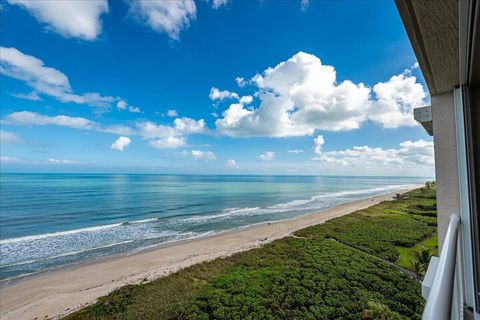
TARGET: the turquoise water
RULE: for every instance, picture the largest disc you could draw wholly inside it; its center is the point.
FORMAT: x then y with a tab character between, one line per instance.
51	220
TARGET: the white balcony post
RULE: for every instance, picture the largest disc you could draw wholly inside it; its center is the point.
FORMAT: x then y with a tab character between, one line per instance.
439	302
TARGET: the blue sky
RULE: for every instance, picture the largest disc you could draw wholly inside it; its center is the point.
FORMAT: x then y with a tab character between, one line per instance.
250	87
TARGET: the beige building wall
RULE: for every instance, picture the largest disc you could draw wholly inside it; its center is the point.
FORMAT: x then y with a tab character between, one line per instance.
446	165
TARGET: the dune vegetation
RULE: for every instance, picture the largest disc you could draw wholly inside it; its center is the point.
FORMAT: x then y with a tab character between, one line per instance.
351	267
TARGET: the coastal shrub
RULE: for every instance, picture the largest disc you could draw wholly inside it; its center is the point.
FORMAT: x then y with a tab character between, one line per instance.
381	229
329	271
329	281
378	311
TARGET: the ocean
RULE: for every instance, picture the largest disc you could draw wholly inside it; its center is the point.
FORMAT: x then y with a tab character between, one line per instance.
52	220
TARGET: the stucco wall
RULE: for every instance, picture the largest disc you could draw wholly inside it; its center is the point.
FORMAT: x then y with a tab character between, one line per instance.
446	170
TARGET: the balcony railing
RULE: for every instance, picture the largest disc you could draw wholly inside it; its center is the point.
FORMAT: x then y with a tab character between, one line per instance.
439	301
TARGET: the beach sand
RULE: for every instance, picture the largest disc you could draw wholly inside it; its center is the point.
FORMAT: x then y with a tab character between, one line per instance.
56	293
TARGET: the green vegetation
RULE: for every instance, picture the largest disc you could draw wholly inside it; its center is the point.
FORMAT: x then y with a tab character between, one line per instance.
329	271
406	254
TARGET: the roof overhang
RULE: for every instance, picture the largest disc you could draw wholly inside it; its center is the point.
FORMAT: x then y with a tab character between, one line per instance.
432	27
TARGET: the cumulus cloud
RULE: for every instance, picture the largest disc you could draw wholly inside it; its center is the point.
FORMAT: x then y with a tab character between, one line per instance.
203	155
122	105
46	80
395	101
216	4
301	95
77	19
172	113
163	136
157	135
188	125
296	97
318	142
134	109
232	164
199	154
295	151
246	99
216	94
66	162
121	143
171	142
169	17
7	137
269	155
241	82
33	118
409	154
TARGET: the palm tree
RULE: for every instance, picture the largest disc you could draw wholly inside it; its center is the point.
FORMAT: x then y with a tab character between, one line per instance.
423	256
421	261
398	196
417	268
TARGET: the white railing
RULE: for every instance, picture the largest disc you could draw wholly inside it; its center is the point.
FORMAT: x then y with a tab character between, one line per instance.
439	302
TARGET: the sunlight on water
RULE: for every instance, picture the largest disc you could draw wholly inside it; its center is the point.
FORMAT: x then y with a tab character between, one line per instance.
50	220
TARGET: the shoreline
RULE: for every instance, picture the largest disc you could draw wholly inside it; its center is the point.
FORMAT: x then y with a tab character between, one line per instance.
56	293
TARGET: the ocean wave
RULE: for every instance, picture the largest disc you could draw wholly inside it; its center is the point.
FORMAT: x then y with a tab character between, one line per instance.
361	191
299	204
74	231
139	234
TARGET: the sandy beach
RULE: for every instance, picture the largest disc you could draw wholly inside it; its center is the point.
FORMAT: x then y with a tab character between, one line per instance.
56	293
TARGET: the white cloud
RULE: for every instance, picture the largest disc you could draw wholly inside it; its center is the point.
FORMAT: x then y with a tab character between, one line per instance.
151	130
12	160
304	5
396	100
9	137
122	105
232	164
318	142
216	4
78	19
267	155
167	142
46	80
66	162
169	17
295	151
203	155
241	82
301	95
188	125
33	118
32	96
297	97
121	143
157	135
172	113
246	99
164	136
216	94
134	109
409	154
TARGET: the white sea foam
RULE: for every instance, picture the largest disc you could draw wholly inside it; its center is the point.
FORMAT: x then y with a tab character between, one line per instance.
40	248
314	202
74	231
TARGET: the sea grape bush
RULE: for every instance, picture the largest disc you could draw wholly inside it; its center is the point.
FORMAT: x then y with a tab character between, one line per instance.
329	271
